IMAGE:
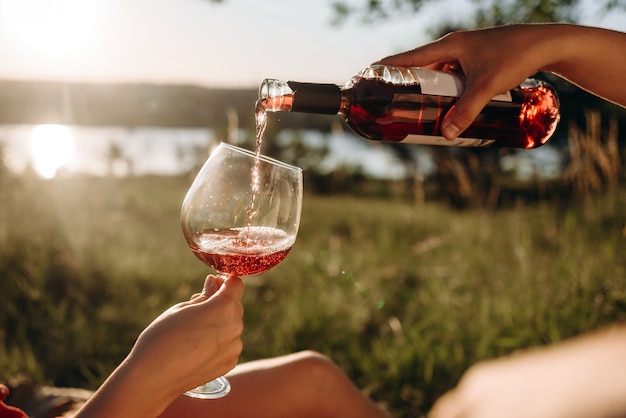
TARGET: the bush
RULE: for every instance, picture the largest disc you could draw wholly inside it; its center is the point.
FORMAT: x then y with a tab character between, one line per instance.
403	299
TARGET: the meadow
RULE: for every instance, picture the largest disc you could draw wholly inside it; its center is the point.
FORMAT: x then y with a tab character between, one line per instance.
403	298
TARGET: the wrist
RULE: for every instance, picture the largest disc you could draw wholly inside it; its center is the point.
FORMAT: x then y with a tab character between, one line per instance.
131	390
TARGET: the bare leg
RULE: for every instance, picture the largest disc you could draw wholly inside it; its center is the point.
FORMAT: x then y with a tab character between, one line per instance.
304	384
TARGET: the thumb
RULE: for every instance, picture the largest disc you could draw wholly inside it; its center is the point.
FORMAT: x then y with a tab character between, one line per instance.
465	110
211	285
234	287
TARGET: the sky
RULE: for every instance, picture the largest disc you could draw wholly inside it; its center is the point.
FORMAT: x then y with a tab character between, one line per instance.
236	43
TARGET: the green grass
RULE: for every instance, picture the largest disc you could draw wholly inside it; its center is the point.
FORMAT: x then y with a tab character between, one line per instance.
402	298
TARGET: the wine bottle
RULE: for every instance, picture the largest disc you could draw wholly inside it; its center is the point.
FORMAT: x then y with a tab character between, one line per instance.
407	105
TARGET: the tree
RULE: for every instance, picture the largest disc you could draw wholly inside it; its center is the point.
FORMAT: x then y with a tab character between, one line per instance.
488	12
117	159
471	177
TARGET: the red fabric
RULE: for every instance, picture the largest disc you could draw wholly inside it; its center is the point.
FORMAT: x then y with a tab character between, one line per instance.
7	411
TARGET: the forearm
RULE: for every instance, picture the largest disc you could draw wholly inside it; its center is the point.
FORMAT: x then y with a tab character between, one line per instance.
160	368
130	391
592	58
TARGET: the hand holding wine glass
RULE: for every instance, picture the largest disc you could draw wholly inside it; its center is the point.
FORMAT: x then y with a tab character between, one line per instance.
241	217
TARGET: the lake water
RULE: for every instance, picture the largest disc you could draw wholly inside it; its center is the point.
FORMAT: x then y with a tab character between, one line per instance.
165	151
172	151
146	150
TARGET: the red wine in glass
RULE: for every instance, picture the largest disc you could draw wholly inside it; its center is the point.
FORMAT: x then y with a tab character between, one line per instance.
242	251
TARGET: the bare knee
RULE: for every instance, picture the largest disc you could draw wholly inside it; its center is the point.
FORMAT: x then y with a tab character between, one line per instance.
318	364
321	372
312	357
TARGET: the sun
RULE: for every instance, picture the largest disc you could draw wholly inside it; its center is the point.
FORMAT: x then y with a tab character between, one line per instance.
52	147
50	26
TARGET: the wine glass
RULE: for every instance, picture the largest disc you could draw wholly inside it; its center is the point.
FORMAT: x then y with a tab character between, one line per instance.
241	217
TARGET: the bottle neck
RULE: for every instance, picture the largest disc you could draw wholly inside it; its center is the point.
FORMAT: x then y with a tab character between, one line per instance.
315	98
292	96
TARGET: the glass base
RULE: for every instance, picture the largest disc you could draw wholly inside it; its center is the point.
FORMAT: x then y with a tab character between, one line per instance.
215	389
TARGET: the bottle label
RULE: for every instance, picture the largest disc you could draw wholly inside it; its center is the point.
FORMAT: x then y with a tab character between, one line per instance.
440	140
439	83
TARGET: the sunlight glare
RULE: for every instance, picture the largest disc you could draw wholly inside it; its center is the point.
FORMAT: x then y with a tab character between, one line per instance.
52	147
51	26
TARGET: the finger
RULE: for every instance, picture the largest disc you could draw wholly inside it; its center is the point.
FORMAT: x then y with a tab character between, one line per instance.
229	296
234	286
465	110
208	290
437	52
4	392
211	285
